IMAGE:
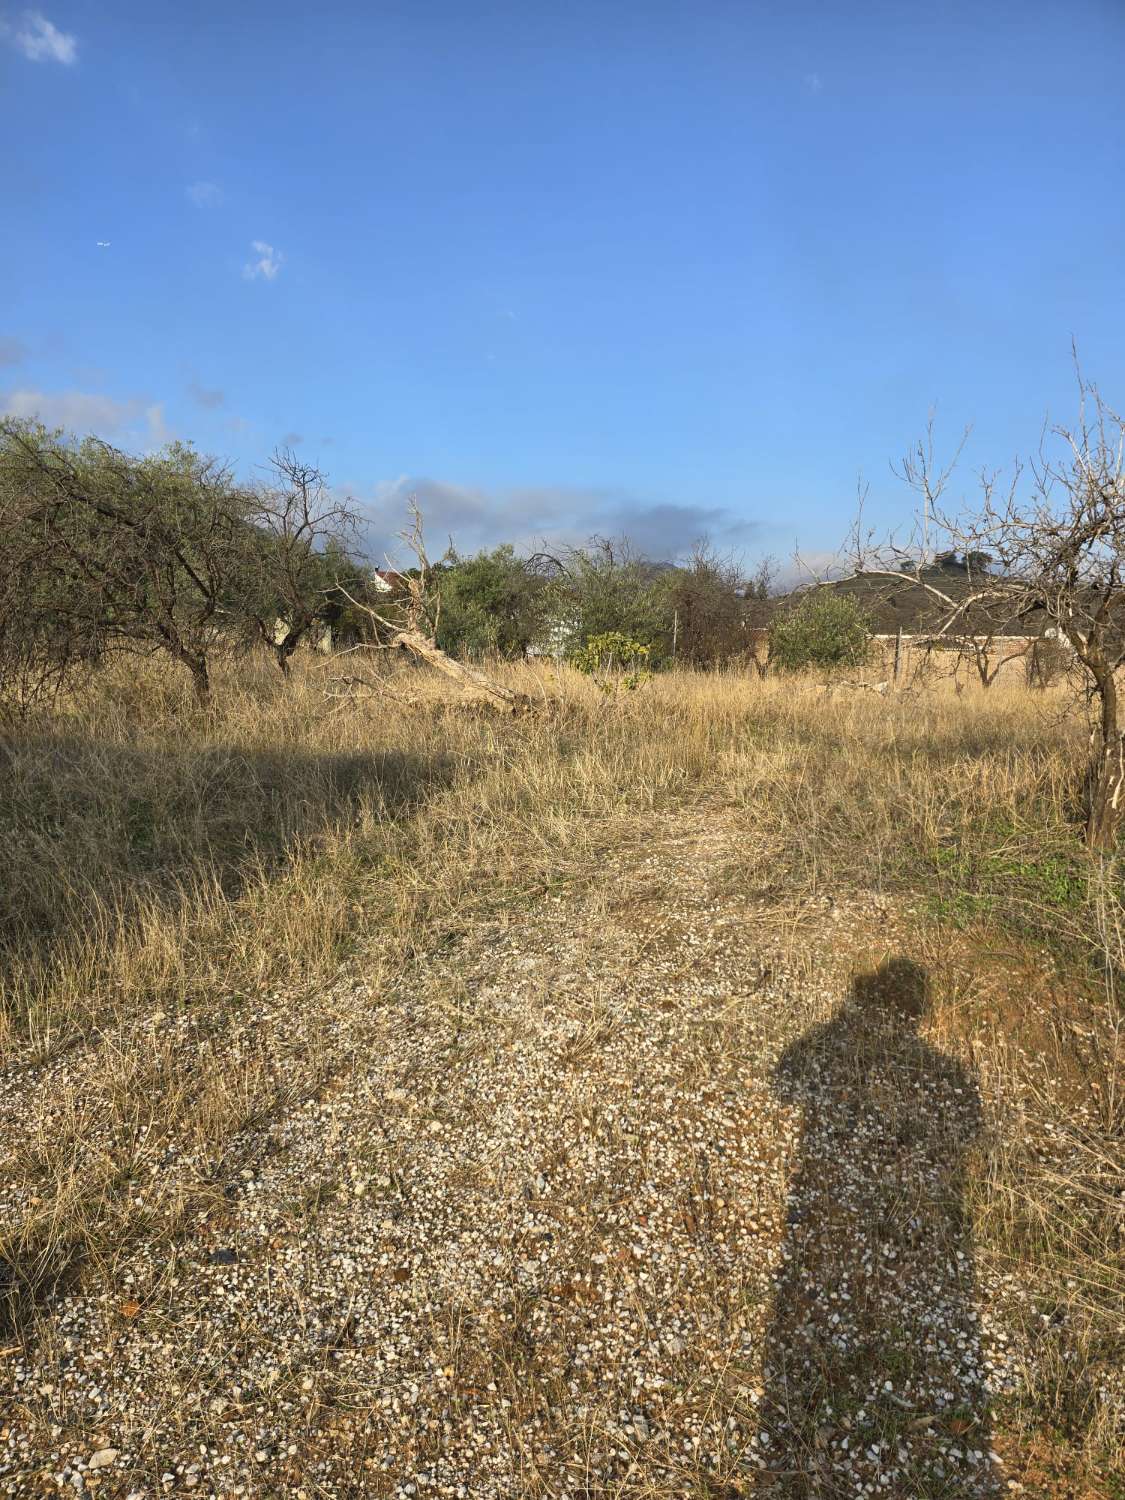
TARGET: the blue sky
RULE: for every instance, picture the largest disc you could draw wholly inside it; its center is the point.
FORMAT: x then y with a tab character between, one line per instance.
663	268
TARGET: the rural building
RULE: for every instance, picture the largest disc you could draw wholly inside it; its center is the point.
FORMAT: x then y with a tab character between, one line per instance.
906	619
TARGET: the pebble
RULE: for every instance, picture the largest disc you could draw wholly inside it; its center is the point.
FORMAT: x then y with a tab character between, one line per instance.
541	1205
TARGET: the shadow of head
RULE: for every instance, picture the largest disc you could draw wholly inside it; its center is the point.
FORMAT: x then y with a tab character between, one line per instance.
896	993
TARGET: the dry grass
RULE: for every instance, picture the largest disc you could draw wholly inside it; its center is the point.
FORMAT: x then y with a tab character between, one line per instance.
165	871
151	851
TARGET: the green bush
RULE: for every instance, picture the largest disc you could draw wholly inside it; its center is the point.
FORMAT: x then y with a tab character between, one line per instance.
614	661
492	602
825	630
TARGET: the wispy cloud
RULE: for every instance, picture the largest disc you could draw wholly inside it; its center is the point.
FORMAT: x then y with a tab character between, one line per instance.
210	400
83	412
40	40
476	518
802	568
77	411
268	263
292	439
158	430
204	194
812	83
12	351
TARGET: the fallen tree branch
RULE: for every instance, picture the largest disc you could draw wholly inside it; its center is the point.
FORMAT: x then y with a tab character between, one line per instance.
417	633
461	672
869	687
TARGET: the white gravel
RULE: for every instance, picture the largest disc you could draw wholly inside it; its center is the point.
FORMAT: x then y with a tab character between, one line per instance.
558	1214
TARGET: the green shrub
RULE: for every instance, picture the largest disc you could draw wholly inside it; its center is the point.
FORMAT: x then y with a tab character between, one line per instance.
613	660
826	629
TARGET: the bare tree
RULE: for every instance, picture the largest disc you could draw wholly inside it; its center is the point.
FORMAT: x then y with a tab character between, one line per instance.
412	624
706	599
299	553
1055	540
763	580
987	644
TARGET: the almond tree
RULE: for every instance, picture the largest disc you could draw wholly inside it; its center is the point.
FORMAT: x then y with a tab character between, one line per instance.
1054	538
298	554
44	639
146	554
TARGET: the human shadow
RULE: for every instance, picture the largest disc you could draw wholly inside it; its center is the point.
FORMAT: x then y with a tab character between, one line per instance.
873	1373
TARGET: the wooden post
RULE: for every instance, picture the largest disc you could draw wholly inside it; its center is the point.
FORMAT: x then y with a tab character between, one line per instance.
898	656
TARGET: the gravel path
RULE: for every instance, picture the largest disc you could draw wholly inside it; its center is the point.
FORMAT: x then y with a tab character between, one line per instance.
623	1194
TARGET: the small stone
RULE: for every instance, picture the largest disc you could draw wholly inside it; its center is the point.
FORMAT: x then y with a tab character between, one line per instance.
102	1458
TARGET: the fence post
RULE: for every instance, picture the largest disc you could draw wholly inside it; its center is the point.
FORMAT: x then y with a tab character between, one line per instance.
898	655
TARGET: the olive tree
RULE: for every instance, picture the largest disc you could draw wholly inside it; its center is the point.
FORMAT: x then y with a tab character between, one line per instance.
604	587
492	602
824	629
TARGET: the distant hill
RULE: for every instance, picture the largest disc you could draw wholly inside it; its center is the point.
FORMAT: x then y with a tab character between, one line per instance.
904	602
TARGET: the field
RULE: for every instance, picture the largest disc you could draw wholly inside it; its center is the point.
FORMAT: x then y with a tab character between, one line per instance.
708	1090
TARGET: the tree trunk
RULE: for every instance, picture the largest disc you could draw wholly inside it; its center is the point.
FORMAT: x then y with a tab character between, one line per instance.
284	649
422	646
1106	793
1106	782
200	679
295	633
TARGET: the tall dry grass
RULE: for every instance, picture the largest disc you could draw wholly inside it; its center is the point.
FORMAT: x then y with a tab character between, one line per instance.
150	850
157	859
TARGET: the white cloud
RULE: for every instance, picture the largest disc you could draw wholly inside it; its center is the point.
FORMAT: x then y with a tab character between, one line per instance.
158	430
77	411
204	194
809	566
268	263
40	40
813	83
83	412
